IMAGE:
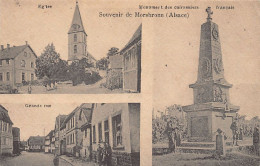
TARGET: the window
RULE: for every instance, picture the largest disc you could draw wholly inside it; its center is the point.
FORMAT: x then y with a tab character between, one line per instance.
7	61
22	63
94	134
32	77
100	132
106	129
32	66
86	133
75	49
75	37
23	77
7	76
1	76
1	62
117	131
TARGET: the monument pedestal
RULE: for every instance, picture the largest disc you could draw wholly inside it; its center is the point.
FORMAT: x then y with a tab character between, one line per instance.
204	119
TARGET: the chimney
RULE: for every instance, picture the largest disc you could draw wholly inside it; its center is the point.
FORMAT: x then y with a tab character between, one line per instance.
26	42
8	46
2	47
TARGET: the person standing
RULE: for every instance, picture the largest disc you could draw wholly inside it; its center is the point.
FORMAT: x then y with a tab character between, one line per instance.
256	140
99	155
109	155
29	89
234	129
104	152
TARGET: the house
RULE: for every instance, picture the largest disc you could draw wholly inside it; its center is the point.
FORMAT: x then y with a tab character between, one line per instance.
118	125
132	62
17	65
57	132
6	136
86	132
115	72
62	139
74	135
16	140
52	141
48	140
36	143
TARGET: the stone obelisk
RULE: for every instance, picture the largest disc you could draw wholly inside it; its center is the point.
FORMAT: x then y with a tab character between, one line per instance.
212	108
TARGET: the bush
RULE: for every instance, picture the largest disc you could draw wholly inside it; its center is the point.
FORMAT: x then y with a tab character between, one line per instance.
91	78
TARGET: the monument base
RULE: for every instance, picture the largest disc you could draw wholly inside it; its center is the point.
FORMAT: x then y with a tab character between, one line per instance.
204	120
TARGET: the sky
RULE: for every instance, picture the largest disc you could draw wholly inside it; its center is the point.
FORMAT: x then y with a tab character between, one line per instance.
22	20
37	121
176	53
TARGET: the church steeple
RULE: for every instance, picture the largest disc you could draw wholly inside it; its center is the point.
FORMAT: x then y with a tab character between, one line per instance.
76	24
77	38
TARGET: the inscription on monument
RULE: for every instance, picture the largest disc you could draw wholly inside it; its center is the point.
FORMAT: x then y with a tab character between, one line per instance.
199	126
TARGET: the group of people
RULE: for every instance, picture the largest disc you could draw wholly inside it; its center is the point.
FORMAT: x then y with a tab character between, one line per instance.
104	155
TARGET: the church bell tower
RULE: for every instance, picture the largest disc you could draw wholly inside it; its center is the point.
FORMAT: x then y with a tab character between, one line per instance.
77	38
212	108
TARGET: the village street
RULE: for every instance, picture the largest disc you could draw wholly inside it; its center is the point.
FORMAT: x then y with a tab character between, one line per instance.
67	88
29	158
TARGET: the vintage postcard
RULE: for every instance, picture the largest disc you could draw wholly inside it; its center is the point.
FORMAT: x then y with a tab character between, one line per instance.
129	83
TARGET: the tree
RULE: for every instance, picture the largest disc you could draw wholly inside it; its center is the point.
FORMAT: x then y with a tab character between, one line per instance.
102	63
50	65
112	51
77	71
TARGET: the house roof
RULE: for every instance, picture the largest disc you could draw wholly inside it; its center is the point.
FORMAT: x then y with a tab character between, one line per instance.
60	118
36	140
4	115
136	37
12	52
76	21
50	133
86	109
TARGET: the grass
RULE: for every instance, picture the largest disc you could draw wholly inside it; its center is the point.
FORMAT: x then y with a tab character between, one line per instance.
191	159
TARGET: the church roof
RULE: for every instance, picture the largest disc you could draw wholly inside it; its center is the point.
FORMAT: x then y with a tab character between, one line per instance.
76	24
12	52
136	37
90	55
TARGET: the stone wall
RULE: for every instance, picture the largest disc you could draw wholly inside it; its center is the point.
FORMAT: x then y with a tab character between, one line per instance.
122	158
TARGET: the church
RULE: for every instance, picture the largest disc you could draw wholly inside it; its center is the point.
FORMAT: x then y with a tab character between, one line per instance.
77	40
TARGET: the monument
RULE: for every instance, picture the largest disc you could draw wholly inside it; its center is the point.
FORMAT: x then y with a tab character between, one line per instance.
212	109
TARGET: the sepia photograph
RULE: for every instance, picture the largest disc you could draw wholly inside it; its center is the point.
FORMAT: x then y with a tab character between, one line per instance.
69	47
204	119
70	134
